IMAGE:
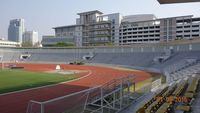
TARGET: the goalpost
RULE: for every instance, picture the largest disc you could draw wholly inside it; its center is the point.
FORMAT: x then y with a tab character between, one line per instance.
1	61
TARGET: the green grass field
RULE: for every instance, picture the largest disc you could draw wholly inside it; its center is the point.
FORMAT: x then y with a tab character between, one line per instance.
14	80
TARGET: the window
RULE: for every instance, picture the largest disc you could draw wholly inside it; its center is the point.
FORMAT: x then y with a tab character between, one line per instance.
157	26
196	35
152	27
179	31
186	26
140	28
195	30
195	25
186	35
187	31
179	27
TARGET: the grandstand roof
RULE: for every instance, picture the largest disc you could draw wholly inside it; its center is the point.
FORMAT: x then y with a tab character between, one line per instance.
176	1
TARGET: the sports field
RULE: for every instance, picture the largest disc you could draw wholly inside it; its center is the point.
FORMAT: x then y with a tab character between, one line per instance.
14	80
89	76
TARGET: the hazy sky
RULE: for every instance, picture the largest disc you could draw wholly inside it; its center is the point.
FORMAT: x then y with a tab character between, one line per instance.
42	15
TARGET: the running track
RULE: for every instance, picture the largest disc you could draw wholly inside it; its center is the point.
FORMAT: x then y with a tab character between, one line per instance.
17	102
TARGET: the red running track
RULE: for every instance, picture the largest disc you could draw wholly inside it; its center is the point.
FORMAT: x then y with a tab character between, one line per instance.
17	102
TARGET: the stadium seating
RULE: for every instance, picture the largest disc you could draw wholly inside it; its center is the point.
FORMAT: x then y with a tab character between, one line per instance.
182	65
130	59
177	98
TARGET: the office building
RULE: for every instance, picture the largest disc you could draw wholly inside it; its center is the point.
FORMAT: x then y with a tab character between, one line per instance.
30	38
94	28
154	30
68	34
52	41
16	30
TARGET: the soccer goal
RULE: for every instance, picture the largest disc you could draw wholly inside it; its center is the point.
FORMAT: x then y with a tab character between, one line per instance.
1	62
110	97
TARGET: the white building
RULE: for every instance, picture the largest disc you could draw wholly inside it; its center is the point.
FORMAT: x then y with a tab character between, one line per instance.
158	30
5	43
30	37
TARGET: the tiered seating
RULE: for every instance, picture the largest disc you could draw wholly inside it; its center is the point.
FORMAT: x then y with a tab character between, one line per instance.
178	56
177	66
154	98
185	108
154	104
166	100
188	71
180	88
130	59
165	108
151	101
191	90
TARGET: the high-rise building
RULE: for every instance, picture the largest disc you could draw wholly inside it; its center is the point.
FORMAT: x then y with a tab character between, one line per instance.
30	38
16	30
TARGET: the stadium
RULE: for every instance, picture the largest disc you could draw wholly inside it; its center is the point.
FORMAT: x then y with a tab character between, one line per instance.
143	78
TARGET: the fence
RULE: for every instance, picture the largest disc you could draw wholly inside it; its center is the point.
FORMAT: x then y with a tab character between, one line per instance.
115	96
78	102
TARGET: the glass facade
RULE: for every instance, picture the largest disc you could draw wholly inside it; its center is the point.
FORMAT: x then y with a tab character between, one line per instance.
16	30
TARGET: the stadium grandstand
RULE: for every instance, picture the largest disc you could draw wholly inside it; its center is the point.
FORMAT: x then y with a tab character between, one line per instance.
177	91
102	75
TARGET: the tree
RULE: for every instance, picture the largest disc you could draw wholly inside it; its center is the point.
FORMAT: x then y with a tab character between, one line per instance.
27	44
63	44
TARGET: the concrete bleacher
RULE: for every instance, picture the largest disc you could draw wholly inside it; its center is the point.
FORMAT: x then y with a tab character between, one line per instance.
133	57
196	102
183	64
50	57
181	97
186	72
130	59
177	57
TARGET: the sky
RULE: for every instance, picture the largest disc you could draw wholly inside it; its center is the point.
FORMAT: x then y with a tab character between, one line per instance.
43	15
